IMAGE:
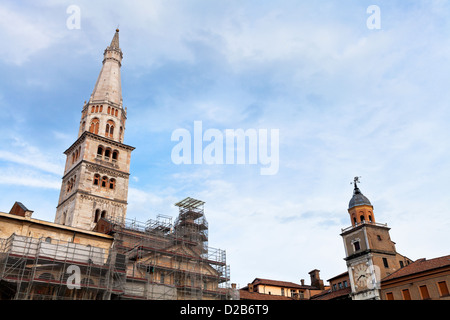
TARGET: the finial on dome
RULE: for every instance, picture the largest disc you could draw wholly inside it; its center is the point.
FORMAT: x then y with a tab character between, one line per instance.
358	198
355	182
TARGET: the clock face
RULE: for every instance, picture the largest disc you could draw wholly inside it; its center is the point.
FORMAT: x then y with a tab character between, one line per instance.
361	275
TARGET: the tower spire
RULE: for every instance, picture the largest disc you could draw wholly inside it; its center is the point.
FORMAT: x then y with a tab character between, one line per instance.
108	86
115	41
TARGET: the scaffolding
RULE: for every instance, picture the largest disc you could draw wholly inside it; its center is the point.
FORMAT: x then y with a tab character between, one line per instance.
172	261
155	260
49	269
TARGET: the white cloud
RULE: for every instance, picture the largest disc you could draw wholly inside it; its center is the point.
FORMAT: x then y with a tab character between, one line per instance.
18	176
32	156
23	34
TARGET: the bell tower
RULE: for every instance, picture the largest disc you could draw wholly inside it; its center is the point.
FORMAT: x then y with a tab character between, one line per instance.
96	174
370	253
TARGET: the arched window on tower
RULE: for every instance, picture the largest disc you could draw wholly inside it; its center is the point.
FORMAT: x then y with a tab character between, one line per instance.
97	215
100	151
95	125
104	181
109	132
107	153
112	184
115	155
96	179
361	218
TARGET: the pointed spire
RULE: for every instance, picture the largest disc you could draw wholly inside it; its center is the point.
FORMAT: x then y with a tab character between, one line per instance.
108	86
115	41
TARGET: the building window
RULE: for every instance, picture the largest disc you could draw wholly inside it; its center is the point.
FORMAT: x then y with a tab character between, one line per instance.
97	215
389	296
112	184
104	181
100	151
334	287
109	131
96	180
401	264
95	124
424	292
163	278
378	237
406	294
48	240
115	155
107	153
385	263
443	289
345	284
356	245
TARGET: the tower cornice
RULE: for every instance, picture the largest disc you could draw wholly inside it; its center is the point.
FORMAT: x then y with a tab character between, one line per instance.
94	136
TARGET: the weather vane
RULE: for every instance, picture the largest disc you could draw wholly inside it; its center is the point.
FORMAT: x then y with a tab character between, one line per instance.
356	180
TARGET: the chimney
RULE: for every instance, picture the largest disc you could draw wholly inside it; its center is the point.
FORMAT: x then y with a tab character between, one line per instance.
302	281
315	279
19	209
250	287
233	286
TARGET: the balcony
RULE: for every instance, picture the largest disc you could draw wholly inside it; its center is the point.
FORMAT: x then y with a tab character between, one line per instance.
363	223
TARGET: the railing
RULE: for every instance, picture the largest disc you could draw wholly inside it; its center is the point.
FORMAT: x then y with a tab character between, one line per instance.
363	223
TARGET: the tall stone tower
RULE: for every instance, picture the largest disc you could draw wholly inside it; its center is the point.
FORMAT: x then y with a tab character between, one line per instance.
95	181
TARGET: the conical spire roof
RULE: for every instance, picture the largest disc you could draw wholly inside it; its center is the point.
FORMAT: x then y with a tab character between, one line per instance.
108	86
115	41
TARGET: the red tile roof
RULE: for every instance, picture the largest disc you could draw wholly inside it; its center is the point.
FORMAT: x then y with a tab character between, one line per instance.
419	266
246	295
330	295
284	284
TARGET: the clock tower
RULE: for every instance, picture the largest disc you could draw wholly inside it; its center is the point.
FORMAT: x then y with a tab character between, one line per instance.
96	174
370	253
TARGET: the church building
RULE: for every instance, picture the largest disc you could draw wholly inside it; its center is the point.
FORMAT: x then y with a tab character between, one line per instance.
91	250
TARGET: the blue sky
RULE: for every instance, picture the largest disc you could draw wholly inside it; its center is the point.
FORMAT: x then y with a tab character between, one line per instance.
347	101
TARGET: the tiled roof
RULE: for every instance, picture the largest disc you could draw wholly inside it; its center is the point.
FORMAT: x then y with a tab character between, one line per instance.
330	295
418	266
246	295
284	284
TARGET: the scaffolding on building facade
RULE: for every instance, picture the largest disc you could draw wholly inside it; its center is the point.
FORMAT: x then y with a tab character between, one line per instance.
155	260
